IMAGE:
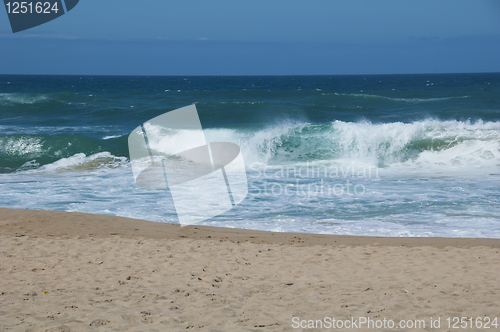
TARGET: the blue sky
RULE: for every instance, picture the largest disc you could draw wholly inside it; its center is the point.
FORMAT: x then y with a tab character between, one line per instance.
200	37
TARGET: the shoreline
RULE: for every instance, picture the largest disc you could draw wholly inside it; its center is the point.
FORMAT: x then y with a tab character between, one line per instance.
19	222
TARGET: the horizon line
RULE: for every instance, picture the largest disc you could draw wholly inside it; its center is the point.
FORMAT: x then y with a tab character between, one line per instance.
254	75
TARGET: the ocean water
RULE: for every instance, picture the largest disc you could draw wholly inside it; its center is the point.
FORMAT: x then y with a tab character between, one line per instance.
384	155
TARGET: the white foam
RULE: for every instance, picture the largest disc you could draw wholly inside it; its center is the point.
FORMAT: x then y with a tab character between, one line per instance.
171	141
457	143
20	145
81	162
111	136
22	98
257	146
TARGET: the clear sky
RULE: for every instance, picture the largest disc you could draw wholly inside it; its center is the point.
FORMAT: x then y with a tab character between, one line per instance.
231	37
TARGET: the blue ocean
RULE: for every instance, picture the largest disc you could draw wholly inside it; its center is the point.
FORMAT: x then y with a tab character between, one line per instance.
381	155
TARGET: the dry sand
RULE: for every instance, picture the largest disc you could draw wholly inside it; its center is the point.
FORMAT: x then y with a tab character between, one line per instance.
78	272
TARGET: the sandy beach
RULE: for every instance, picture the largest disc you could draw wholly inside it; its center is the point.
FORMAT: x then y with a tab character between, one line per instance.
64	271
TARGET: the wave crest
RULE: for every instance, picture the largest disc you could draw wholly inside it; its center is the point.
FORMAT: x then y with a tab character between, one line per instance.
429	141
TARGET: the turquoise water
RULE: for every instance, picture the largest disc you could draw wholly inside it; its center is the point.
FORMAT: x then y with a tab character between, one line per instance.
385	155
